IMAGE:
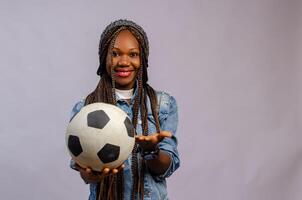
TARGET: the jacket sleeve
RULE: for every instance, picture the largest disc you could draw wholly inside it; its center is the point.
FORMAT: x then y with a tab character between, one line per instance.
169	122
76	108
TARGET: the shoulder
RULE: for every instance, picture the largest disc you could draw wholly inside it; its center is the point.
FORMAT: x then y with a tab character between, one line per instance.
168	112
166	102
76	108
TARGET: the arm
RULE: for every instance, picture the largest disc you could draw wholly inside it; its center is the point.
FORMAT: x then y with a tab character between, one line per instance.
162	160
167	160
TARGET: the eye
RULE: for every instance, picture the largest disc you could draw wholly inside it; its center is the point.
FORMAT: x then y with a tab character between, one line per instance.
114	53
133	54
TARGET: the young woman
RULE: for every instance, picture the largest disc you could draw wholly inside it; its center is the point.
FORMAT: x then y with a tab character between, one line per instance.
123	58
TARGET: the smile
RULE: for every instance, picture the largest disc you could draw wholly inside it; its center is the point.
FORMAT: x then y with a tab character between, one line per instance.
122	73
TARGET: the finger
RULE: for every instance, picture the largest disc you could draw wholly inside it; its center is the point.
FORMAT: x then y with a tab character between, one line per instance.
103	173
88	170
121	167
137	138
106	170
81	169
140	138
114	171
164	134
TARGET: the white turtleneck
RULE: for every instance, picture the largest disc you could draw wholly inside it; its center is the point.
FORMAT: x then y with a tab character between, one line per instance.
124	94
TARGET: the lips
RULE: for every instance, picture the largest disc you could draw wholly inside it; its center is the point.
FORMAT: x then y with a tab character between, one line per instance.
123	73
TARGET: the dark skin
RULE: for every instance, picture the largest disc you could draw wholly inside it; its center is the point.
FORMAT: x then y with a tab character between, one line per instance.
124	61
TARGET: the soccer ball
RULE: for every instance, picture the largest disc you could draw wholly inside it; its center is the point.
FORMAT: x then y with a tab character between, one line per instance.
100	135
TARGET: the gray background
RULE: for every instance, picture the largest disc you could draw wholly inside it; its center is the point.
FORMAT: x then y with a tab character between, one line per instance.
233	65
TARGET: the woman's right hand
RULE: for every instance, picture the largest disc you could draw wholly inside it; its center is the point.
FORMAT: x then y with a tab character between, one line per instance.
90	176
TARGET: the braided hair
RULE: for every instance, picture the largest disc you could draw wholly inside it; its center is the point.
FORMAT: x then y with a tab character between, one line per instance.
112	186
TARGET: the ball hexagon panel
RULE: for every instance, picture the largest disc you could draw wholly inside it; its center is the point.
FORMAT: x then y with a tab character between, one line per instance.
97	119
74	145
109	153
129	127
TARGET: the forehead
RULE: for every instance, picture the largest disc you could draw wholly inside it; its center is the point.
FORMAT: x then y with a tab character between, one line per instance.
126	38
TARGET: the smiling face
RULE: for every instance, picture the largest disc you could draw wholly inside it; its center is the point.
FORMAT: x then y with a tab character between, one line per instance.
124	60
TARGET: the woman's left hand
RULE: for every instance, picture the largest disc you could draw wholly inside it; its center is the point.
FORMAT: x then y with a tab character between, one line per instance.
149	142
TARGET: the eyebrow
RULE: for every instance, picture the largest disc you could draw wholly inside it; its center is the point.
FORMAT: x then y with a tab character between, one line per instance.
129	49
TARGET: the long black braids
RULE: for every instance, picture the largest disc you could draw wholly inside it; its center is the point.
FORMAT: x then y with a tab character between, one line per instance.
112	187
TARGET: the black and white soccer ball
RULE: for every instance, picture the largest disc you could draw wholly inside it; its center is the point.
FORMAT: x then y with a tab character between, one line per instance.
100	135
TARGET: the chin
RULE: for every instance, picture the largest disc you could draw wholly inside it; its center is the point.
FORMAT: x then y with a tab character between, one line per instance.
124	83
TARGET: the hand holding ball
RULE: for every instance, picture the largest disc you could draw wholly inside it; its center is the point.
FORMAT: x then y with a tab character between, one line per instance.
100	135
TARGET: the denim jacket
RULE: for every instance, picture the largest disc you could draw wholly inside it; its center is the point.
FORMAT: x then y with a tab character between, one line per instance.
154	185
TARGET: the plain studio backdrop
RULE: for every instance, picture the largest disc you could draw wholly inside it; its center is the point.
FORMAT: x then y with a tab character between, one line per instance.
234	67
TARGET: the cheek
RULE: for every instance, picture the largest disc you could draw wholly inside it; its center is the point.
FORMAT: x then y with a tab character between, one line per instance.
109	63
134	75
136	63
108	70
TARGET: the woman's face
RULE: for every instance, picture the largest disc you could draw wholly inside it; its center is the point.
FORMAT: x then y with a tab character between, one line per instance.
124	60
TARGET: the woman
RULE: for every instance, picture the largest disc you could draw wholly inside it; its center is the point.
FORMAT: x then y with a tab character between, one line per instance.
123	57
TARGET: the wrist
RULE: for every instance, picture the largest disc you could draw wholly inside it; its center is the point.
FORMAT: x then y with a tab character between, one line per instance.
150	154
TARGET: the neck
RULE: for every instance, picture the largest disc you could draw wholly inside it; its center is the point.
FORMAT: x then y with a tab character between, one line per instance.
124	94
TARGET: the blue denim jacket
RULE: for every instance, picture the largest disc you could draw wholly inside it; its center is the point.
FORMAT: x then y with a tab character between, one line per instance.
155	185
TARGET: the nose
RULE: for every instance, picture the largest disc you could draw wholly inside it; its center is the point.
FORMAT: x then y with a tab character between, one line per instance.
123	61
